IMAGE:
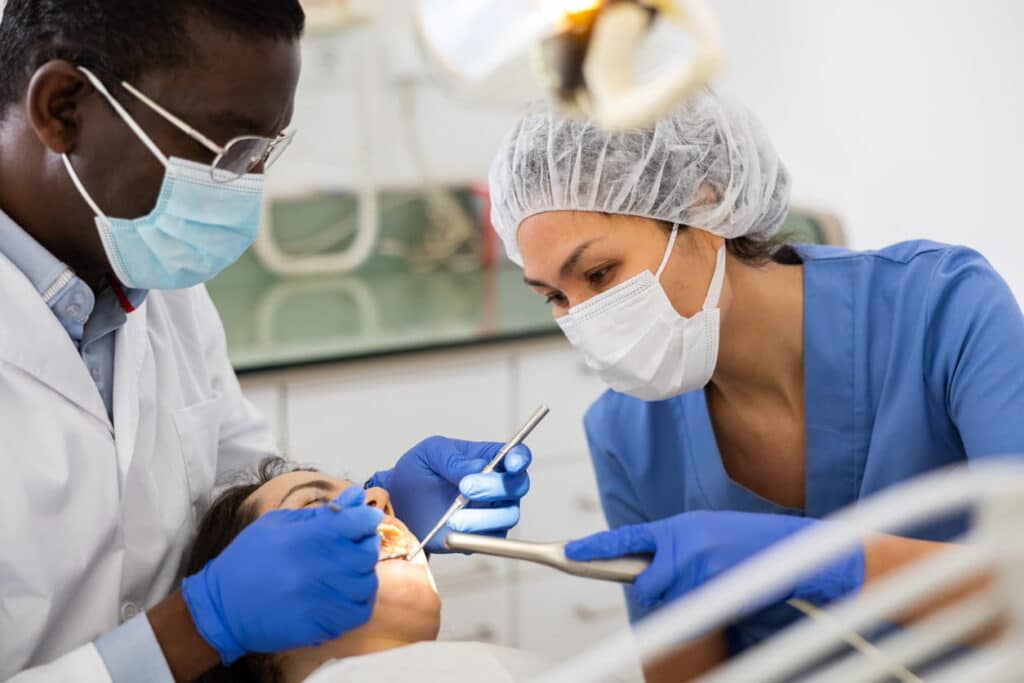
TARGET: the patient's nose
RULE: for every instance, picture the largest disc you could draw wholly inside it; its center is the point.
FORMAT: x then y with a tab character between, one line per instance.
377	497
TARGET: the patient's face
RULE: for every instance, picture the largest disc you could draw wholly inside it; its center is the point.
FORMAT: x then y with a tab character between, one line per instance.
408	608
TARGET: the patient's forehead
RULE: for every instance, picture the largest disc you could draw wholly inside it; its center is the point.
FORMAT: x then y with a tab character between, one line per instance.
296	490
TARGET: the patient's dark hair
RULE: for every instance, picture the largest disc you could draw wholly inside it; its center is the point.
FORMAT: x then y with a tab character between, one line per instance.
225	519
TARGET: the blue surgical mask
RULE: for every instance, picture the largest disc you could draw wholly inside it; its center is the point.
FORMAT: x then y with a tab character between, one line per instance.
197	229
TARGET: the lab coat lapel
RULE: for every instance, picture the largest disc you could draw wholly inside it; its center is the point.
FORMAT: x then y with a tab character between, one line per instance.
129	354
33	340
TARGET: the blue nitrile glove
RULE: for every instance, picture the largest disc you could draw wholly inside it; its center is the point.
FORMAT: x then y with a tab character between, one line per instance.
695	547
426	480
292	578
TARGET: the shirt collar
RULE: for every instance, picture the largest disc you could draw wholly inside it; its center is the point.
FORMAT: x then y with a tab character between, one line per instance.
42	268
50	277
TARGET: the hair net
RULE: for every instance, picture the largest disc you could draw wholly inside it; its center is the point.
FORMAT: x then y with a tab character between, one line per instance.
709	165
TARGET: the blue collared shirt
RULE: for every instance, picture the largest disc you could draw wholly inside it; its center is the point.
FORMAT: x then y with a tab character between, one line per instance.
130	652
91	320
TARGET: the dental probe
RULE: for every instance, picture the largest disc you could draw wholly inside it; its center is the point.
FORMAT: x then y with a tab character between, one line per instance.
622	569
462	501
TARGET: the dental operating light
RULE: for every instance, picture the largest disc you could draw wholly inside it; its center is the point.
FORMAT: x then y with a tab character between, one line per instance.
585	52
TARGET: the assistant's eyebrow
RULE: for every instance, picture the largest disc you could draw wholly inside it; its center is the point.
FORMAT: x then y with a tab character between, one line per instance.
318	484
536	283
569	265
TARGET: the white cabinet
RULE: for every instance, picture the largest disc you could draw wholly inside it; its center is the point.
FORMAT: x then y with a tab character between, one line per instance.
357	419
563	504
482	616
553	373
564	615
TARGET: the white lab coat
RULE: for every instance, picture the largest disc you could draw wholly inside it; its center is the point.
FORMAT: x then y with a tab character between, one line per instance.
94	520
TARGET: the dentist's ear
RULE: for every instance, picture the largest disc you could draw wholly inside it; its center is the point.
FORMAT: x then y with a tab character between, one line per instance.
53	104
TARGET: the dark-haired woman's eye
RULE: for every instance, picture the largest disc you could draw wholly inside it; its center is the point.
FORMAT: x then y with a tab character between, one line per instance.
555	299
597	278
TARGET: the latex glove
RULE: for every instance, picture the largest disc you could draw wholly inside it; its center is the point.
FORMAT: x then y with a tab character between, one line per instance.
426	480
292	578
695	547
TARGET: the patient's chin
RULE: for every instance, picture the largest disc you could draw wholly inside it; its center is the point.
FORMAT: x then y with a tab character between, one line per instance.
407	586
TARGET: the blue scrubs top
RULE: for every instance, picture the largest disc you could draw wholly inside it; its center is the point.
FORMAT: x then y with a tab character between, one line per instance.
913	360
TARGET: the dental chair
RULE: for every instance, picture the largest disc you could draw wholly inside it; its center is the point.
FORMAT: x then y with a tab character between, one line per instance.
830	644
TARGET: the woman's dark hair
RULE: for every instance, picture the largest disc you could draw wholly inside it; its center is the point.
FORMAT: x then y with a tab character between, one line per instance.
757	251
225	519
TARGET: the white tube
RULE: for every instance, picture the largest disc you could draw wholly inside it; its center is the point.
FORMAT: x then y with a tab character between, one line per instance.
805	642
278	261
924	641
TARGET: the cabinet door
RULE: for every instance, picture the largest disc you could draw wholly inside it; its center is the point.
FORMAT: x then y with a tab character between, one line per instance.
554	373
456	573
359	419
563	504
563	616
479	616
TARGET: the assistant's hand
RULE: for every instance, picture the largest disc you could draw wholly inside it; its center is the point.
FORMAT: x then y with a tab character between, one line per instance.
695	547
427	479
292	578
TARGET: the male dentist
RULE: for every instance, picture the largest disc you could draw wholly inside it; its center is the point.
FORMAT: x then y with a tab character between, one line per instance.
133	141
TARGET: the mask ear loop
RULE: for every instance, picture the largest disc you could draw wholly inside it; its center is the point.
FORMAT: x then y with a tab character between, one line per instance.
668	251
126	117
715	290
135	128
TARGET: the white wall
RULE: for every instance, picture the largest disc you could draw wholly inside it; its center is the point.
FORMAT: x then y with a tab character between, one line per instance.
903	116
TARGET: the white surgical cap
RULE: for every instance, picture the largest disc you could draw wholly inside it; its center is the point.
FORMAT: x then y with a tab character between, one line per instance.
708	165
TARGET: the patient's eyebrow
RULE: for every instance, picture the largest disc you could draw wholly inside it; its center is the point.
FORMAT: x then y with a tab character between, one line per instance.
318	484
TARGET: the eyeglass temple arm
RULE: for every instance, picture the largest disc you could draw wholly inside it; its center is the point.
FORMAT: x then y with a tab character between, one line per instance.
174	120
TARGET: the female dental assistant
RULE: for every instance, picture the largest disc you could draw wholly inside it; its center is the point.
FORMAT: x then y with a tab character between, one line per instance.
754	389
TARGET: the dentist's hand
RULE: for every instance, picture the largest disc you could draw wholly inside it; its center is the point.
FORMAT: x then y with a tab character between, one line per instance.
292	578
427	479
695	547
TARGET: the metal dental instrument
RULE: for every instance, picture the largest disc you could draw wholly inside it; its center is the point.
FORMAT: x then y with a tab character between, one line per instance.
328	504
623	569
334	508
462	501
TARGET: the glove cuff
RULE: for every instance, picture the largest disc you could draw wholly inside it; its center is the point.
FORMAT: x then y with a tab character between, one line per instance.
206	617
838	579
381	479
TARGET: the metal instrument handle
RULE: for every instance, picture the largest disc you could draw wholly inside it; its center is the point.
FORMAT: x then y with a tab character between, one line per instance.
461	501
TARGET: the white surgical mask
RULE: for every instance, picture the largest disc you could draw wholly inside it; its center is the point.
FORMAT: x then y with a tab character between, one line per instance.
637	342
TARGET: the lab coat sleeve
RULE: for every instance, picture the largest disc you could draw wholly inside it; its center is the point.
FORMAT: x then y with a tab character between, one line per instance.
976	353
83	665
245	436
132	654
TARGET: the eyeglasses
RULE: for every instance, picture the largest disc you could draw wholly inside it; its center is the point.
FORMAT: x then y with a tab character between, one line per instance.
238	157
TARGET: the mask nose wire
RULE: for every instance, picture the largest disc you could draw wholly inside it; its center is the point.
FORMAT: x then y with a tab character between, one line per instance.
127	118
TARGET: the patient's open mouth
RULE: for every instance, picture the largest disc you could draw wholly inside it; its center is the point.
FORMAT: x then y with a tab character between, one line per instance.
394	542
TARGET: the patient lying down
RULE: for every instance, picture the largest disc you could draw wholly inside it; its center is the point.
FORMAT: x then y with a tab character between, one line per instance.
398	641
